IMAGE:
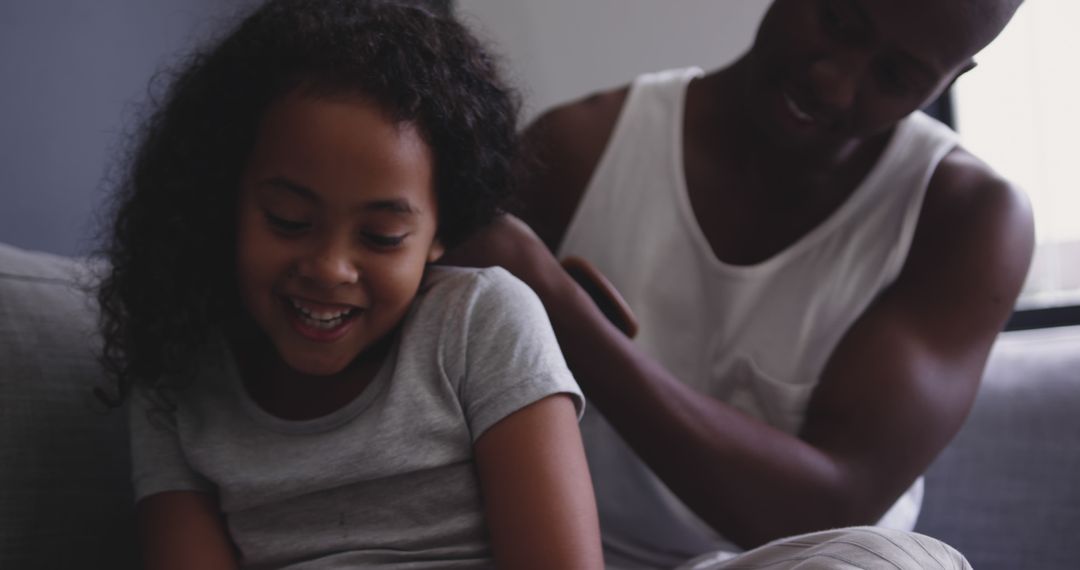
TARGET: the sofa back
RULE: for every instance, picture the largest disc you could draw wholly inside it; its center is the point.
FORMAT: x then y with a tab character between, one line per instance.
65	500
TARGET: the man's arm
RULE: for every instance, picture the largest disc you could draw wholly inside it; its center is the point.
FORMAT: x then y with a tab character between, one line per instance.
894	392
902	380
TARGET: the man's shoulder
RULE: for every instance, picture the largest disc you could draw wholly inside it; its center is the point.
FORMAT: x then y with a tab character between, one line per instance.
467	287
589	121
563	146
583	122
975	229
966	188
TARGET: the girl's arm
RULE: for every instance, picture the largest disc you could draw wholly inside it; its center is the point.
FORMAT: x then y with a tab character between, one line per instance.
538	497
183	530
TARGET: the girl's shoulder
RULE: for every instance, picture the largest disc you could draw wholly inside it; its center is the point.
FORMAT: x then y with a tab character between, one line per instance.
463	298
495	283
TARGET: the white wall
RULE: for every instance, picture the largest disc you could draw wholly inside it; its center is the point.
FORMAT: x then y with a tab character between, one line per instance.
71	73
72	70
558	50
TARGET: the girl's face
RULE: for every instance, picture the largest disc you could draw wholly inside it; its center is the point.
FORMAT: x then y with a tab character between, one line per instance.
336	221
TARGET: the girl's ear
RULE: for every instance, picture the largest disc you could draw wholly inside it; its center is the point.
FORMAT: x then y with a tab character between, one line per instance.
436	251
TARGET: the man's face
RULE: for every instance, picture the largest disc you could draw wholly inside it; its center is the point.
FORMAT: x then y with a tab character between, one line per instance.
827	71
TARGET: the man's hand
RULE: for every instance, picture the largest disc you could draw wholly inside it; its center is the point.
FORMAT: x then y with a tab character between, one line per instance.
509	243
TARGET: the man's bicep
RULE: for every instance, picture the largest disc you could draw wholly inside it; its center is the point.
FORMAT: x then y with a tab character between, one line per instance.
900	383
969	256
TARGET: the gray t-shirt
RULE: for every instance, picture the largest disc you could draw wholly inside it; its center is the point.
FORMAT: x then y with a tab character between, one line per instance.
388	480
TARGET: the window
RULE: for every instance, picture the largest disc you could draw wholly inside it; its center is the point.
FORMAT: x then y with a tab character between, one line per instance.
1018	111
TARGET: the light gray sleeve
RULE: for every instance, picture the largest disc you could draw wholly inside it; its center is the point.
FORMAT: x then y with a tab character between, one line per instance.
157	458
511	356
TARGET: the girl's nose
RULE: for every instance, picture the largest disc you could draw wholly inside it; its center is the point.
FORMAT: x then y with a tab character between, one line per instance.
329	266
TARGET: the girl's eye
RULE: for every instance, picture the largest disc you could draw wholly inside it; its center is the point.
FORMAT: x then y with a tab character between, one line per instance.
284	225
383	240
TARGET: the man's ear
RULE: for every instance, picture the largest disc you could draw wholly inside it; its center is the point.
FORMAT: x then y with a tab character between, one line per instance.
971	64
436	250
966	68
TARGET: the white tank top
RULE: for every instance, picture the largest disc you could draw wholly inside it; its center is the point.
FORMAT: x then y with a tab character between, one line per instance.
756	336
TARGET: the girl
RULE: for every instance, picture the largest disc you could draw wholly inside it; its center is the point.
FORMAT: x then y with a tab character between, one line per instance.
307	391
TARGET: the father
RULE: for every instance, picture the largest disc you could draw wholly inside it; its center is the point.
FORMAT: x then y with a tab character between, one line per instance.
819	271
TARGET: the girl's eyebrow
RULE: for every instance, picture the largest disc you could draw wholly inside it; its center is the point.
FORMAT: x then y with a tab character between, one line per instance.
298	189
398	206
395	206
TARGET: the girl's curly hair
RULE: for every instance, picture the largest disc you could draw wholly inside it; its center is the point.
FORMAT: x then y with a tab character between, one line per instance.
171	234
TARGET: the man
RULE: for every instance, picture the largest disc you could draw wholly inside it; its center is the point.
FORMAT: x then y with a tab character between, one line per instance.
819	271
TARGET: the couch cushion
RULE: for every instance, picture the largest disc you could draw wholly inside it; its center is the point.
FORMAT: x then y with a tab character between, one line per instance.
1006	491
65	498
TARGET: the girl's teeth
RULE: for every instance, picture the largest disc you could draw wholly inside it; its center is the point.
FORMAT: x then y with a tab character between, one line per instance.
321	320
325	325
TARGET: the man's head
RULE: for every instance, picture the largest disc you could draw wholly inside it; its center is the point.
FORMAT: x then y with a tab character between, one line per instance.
829	70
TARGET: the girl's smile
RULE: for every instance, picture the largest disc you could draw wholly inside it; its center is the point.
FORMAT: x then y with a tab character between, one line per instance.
321	322
337	220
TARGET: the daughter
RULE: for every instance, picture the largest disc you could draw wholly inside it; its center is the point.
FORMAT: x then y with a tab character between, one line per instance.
307	391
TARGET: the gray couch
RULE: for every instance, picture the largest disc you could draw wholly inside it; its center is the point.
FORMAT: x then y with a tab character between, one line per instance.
1005	492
